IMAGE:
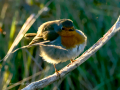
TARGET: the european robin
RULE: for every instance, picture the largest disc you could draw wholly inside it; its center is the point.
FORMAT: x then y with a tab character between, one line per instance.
60	33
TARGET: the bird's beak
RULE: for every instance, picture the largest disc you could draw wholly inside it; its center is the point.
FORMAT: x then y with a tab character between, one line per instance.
71	29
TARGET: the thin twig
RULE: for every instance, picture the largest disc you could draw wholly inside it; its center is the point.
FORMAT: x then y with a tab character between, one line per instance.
7	82
52	78
34	60
28	46
26	79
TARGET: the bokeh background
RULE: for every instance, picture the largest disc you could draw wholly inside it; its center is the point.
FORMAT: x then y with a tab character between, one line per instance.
94	17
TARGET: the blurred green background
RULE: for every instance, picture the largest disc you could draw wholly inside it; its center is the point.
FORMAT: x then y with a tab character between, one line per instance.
93	17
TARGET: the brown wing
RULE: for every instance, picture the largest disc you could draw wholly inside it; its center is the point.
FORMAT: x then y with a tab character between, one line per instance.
46	32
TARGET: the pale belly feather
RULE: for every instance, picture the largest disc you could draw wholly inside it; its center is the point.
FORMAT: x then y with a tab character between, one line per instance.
56	55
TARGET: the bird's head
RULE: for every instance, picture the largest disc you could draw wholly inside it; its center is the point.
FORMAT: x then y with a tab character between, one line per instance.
66	28
69	37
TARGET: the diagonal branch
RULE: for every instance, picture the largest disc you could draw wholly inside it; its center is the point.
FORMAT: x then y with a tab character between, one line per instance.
52	78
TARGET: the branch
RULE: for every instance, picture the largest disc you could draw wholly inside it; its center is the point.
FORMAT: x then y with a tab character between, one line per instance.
52	78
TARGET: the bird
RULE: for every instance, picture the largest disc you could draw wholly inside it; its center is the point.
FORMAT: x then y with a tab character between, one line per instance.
59	33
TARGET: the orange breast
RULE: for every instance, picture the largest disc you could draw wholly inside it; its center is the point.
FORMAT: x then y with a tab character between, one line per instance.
72	41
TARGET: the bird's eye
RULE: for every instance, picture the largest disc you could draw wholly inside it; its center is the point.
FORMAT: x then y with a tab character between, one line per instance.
63	28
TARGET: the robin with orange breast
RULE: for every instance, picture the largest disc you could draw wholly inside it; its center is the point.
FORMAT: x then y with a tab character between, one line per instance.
60	33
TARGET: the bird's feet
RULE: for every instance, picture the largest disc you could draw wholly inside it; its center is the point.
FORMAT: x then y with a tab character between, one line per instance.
56	71
71	62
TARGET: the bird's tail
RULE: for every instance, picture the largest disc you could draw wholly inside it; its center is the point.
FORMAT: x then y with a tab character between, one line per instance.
33	37
36	39
30	35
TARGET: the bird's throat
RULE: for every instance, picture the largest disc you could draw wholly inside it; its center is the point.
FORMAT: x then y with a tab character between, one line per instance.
72	41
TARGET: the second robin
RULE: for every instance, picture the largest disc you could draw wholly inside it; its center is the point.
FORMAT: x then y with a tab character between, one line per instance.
60	33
